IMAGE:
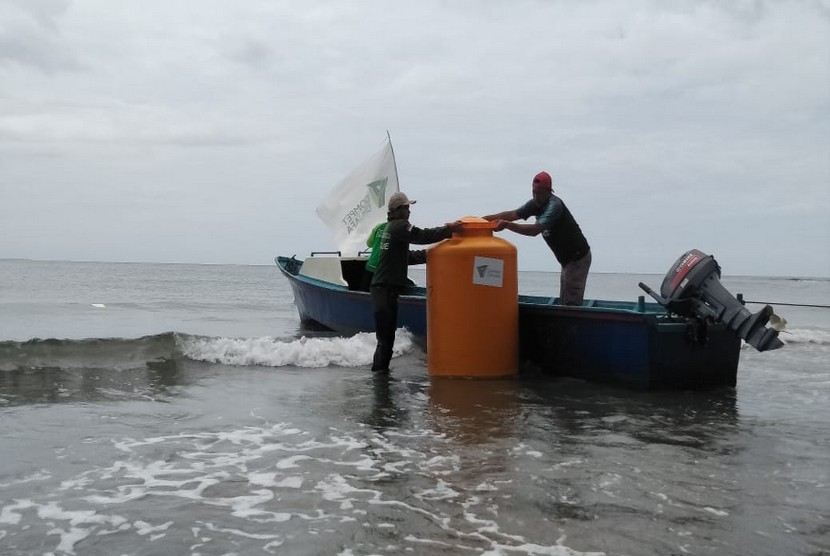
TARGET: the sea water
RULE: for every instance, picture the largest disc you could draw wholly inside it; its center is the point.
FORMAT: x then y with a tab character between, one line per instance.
181	409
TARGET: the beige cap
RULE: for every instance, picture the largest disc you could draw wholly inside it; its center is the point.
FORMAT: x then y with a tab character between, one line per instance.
399	199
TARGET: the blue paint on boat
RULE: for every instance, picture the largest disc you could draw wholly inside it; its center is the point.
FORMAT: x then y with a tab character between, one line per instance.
632	343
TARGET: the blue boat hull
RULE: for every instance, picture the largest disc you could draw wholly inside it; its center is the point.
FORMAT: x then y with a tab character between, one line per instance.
634	344
641	351
350	312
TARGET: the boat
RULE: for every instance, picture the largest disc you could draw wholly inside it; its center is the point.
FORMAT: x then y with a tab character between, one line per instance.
689	338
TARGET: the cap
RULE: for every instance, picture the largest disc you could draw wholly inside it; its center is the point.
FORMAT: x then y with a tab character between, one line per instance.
399	199
543	178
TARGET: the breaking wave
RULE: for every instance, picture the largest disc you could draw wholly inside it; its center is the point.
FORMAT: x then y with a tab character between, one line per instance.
305	351
819	336
126	354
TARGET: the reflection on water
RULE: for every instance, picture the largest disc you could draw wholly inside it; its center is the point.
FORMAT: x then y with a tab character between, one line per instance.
89	370
37	385
577	409
567	411
386	409
474	411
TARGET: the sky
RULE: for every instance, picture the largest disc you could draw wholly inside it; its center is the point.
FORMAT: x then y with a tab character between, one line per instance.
206	131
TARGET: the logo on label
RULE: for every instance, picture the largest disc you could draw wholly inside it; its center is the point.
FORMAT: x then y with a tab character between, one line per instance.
377	191
374	198
488	271
683	267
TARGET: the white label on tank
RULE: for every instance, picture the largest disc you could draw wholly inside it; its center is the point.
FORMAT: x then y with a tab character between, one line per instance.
488	272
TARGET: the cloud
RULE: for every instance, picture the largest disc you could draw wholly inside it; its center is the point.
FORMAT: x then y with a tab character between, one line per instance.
30	36
664	125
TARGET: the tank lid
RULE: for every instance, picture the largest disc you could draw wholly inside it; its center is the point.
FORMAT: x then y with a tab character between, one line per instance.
477	223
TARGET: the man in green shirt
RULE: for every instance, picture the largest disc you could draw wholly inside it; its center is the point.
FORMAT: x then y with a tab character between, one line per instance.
372	241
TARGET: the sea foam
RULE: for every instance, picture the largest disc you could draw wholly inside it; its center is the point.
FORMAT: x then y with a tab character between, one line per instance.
353	351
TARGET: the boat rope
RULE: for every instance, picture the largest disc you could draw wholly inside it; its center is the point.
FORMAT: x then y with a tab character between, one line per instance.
788	304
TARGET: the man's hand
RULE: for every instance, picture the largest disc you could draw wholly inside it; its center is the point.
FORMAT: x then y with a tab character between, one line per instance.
501	224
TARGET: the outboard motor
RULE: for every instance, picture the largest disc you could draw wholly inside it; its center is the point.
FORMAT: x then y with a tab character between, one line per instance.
692	288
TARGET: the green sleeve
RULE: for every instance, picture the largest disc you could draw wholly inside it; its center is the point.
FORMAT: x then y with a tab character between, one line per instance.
370	241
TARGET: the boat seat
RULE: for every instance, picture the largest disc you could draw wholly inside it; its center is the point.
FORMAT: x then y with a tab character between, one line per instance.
326	269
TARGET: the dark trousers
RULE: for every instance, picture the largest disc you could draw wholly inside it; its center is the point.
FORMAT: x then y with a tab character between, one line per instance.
572	281
366	281
385	306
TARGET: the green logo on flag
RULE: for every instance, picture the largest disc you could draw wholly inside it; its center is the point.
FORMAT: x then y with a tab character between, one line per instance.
377	191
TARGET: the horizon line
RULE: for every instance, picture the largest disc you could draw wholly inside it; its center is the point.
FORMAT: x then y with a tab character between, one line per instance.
92	261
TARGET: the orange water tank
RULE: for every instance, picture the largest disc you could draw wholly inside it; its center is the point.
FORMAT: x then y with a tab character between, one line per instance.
473	304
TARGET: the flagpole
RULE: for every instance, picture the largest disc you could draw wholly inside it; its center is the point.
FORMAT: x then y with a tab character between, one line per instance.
394	162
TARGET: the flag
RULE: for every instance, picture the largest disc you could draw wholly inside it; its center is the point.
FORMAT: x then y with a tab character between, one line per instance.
358	203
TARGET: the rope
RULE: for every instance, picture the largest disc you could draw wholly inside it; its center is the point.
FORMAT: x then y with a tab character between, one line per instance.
788	304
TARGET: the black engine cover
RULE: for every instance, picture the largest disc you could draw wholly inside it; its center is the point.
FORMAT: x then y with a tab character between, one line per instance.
692	288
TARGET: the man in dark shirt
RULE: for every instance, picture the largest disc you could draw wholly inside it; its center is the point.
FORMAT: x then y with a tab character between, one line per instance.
391	273
561	232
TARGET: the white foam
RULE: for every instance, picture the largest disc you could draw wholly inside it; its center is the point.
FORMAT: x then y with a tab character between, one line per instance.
74	533
609	480
805	336
522	448
258	468
353	351
144	528
41	475
270	480
245	534
336	488
530	548
442	491
498	549
291	462
796	336
10	516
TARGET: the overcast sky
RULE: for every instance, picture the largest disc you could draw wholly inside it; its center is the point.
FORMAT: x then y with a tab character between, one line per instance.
208	131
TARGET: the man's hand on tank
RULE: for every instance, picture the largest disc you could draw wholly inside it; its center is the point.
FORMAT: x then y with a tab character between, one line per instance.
455	226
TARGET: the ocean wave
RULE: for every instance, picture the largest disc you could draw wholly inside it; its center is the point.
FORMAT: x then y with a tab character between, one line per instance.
134	353
110	353
819	336
311	352
799	337
306	351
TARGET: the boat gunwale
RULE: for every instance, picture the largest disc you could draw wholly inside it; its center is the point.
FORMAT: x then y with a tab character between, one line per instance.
526	302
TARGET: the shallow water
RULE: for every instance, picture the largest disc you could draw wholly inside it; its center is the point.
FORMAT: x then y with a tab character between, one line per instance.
156	444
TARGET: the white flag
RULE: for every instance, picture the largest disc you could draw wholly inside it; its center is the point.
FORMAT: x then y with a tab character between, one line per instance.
358	202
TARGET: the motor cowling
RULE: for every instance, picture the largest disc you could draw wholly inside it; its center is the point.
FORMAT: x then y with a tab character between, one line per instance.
692	288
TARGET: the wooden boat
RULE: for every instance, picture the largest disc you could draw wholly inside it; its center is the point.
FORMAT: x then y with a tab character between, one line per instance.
635	343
